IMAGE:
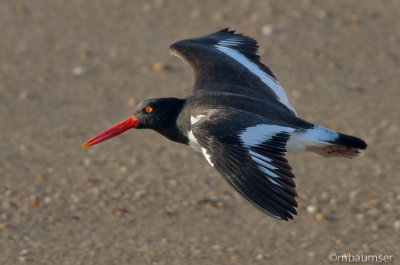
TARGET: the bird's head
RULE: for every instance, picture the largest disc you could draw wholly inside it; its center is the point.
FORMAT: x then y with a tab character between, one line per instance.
157	114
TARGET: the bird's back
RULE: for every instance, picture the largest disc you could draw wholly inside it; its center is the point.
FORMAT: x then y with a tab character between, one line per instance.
226	97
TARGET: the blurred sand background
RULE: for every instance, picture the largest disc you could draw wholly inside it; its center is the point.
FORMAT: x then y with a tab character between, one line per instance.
70	69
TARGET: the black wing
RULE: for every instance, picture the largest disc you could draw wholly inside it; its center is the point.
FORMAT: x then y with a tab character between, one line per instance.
226	58
250	156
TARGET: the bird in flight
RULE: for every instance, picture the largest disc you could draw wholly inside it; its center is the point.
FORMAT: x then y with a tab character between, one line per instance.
240	119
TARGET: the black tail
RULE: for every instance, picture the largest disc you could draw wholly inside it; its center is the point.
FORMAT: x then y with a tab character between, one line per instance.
350	141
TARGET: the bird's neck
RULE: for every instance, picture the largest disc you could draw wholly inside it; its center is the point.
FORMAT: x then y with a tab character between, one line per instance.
177	123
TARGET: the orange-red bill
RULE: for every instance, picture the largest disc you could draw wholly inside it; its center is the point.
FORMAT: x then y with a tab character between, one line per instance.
113	131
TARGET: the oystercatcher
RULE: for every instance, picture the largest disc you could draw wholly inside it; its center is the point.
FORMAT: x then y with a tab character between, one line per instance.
239	117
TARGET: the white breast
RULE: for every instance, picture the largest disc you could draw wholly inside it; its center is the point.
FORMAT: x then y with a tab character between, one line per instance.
192	140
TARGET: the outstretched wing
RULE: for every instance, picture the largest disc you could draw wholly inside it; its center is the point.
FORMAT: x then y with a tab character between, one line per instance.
251	157
224	58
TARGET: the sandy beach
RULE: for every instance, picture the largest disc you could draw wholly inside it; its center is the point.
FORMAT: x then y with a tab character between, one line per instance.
71	69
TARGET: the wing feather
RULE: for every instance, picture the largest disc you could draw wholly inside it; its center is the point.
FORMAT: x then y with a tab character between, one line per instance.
260	172
226	57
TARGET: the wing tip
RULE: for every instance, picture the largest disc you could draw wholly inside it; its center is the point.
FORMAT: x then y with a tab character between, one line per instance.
226	30
233	33
284	214
287	215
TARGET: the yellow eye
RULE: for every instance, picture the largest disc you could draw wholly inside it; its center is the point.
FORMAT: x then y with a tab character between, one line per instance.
148	109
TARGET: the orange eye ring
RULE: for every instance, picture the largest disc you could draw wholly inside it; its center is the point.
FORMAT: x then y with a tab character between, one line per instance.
148	109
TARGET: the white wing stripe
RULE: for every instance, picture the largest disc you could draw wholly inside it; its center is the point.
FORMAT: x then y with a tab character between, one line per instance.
269	173
229	42
207	156
262	162
276	183
194	119
255	69
267	159
260	133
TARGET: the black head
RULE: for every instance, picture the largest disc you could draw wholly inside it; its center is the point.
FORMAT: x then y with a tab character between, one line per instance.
159	114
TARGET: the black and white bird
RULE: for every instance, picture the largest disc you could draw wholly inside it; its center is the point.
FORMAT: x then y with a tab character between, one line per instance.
240	119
